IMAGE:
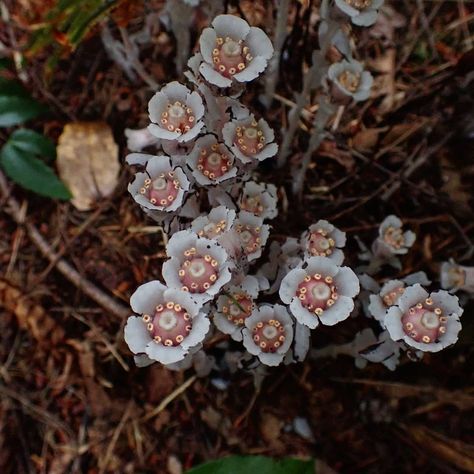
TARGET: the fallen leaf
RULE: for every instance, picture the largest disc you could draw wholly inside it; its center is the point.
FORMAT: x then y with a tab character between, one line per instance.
271	427
88	162
31	317
367	139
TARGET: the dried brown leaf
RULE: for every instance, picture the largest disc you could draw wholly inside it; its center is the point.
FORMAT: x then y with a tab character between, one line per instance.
88	162
367	139
31	317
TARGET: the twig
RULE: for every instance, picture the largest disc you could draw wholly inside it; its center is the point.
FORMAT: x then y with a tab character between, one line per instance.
115	436
167	400
88	288
416	164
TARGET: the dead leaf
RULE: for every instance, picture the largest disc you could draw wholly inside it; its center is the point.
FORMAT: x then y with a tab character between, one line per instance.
271	427
367	139
31	317
88	162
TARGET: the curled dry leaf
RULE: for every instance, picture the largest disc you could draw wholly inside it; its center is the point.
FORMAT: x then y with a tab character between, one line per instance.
88	162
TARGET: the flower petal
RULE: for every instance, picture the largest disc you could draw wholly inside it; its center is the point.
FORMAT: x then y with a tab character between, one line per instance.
136	335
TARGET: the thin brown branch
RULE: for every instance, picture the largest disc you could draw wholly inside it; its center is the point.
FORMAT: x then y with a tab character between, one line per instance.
13	209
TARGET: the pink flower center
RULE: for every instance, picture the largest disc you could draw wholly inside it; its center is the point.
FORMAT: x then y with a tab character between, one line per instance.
249	238
269	335
317	293
349	80
424	323
319	244
359	4
393	236
391	298
230	56
249	139
212	229
161	191
238	308
169	325
198	273
252	204
178	118
212	163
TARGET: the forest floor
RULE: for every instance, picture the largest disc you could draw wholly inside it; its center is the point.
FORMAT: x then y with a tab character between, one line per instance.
72	399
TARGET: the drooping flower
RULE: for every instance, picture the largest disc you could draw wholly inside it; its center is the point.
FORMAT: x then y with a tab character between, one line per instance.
212	162
349	80
170	325
250	139
253	234
361	12
392	240
162	187
233	51
235	305
137	140
456	277
385	351
176	113
196	265
390	292
268	333
320	292
281	259
428	322
324	240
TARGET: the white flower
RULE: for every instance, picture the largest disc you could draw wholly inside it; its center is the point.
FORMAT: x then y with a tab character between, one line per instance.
456	277
361	12
426	322
170	325
259	199
324	240
250	140
196	265
235	305
253	234
350	80
232	50
391	292
216	223
392	240
211	162
176	113
320	291
162	187
268	333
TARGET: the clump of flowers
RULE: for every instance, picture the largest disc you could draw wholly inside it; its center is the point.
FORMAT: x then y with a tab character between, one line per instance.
225	271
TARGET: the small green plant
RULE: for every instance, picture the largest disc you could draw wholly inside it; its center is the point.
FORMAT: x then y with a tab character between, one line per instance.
25	154
254	464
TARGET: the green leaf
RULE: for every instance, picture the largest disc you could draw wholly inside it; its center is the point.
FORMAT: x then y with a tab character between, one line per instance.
9	87
254	464
15	110
33	142
31	173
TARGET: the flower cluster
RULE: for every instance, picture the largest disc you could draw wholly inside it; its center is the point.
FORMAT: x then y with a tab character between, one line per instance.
410	319
200	185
